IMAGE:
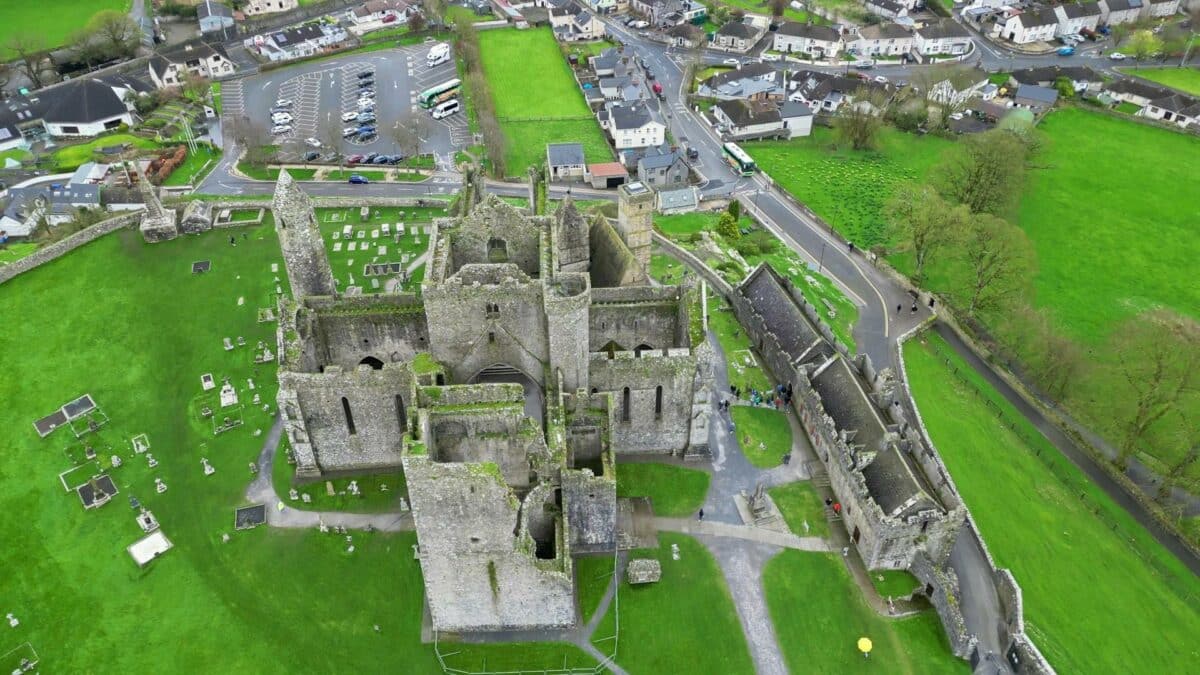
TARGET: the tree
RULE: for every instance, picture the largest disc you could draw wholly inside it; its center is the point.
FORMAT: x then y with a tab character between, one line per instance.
777	7
330	136
727	227
434	10
1193	13
1175	473
858	123
1156	355
924	221
30	50
117	28
82	44
195	87
1144	44
986	172
1000	261
411	134
735	209
416	22
1050	358
1119	32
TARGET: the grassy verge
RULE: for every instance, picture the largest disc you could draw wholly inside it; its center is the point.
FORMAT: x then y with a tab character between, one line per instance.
195	167
745	370
666	269
11	253
799	504
344	174
272	173
68	158
763	433
675	490
1183	79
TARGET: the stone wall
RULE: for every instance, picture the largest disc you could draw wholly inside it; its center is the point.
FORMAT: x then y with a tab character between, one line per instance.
59	248
655	415
387	328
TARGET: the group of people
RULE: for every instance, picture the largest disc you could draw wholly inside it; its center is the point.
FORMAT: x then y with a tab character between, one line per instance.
779	397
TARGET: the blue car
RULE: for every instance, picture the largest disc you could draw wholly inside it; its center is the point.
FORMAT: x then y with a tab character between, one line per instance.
366	129
358	179
1066	51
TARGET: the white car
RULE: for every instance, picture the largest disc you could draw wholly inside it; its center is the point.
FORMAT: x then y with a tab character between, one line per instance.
312	142
283	103
1117	56
349	132
731	62
881	79
364	102
770	57
349	116
281	118
281	129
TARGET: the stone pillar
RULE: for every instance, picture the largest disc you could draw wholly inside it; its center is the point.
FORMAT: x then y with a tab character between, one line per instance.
304	255
635	219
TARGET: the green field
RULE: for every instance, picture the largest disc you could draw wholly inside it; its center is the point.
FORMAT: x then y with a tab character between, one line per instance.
800	504
1083	583
52	27
764	9
68	158
11	252
1183	79
195	167
556	114
674	490
819	615
848	188
763	434
745	370
374	176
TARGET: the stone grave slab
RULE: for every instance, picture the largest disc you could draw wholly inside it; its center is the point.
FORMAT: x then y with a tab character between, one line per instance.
201	266
249	517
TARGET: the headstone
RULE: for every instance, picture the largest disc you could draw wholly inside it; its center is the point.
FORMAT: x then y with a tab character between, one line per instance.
382	250
256	400
403	504
208	468
241	341
386	228
352	246
115	461
225	538
228	395
274	267
400	228
643	571
228	344
293	494
362	234
374	234
347	232
306	498
329	491
159	486
241	300
12	620
337	247
207	382
674	551
249	381
150	461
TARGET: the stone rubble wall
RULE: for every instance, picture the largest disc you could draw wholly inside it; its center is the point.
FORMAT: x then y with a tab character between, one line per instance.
59	248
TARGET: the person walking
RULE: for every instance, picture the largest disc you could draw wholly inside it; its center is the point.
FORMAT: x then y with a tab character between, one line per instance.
700	515
899	308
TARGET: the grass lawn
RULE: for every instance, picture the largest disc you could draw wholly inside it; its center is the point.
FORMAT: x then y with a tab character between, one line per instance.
52	28
68	158
216	96
195	167
1183	79
558	113
1128	108
586	49
272	173
745	370
799	504
692	592
848	188
764	9
894	583
819	615
592	574
14	252
666	269
1083	583
675	490
17	154
348	258
344	174
453	12
371	499
763	433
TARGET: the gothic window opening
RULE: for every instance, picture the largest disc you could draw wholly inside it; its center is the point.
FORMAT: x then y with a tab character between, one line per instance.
349	416
625	403
658	402
497	251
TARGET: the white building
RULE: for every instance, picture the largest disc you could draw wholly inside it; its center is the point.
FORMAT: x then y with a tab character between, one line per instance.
1158	9
85	108
382	12
1114	12
885	39
255	7
942	37
737	36
1030	25
1075	17
296	42
171	68
572	23
960	86
816	42
889	9
632	125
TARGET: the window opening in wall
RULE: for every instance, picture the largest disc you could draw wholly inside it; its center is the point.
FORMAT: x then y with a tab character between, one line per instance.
497	251
658	402
371	361
349	416
491	337
493	310
401	416
624	404
440	380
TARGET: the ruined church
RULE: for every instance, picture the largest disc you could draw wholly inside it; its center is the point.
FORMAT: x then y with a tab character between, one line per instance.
536	351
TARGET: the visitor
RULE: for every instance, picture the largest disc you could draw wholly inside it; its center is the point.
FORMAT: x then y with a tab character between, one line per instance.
837	508
851	245
931	302
700	516
828	501
232	241
899	308
914	307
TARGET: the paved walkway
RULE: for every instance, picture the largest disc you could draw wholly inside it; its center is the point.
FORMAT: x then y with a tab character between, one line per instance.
745	532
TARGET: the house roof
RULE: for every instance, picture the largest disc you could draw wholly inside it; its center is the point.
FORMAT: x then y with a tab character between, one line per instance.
683	197
887	5
1038	94
884	31
607	169
780	315
1079	10
127	82
606	60
792	109
963	79
297	35
1178	103
210	8
817	85
810	31
564	154
1042	16
737	29
745	113
376	6
83	101
191	50
748	70
1121	5
659	161
1137	88
630	116
1049	74
941	30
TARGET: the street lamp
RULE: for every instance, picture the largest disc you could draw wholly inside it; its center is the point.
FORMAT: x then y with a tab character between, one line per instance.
821	260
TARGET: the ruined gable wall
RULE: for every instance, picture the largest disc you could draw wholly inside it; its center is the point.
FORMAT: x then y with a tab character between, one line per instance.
642	430
467	338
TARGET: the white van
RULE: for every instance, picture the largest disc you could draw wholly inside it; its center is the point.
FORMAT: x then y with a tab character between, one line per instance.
446	109
439	54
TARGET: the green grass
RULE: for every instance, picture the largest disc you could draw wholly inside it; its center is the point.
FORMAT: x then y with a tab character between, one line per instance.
1128	108
763	433
53	28
691	593
799	503
894	583
848	188
17	154
272	173
593	574
13	252
68	158
453	12
762	8
1183	79
216	96
558	113
1083	582
195	167
745	370
348	265
371	499
344	174
586	49
675	490
819	615
666	269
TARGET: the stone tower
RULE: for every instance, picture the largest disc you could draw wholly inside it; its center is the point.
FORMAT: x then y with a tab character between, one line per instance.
574	247
635	219
303	251
157	224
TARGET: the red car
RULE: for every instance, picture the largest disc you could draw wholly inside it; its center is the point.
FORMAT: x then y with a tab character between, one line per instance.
354	159
389	18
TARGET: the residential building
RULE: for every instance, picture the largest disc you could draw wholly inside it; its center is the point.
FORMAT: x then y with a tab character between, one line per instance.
678	200
1034	97
565	161
826	92
884	39
606	175
256	7
1081	77
797	118
736	36
941	38
297	42
1075	17
816	42
751	81
633	125
1030	25
1135	91
213	16
667	169
171	67
1113	12
1157	9
1181	110
378	11
572	23
889	9
670	12
84	108
959	86
610	62
28	205
685	35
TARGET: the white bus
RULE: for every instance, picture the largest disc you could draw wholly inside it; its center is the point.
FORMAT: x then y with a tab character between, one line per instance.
739	160
446	109
439	54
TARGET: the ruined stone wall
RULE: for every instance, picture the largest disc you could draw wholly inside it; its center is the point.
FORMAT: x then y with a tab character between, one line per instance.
591	504
940	584
498	232
390	328
59	248
636	316
300	240
635	220
498	433
645	426
567	305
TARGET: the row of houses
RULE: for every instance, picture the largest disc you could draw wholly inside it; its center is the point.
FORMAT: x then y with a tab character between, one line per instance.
1032	23
297	42
814	42
215	16
26	206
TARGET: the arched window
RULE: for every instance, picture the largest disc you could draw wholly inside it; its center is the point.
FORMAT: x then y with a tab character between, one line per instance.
497	250
658	402
401	417
373	362
349	416
625	404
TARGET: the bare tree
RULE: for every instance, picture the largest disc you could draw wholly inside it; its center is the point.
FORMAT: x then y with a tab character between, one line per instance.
1175	474
777	7
1051	359
858	122
924	221
84	48
411	134
1193	13
417	23
986	172
434	10
118	29
330	135
1000	258
30	51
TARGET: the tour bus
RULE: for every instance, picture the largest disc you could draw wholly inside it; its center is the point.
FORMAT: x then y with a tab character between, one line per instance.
446	109
739	160
443	92
439	54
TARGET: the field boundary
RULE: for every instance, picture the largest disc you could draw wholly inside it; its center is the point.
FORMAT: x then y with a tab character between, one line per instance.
60	248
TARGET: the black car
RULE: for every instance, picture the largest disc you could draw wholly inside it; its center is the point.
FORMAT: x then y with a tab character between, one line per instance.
311	155
366	83
693	154
382	159
395	159
649	74
366	73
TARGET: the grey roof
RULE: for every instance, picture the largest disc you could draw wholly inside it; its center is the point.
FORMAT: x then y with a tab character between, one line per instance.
1137	88
791	109
810	31
780	315
884	31
212	8
83	101
939	30
564	154
1037	94
744	113
659	161
191	50
1078	10
1178	103
1049	74
1042	16
1119	5
606	60
887	5
748	70
678	199
297	35
737	29
630	116
127	82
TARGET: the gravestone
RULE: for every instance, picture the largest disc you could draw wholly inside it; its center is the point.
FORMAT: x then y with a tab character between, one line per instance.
643	571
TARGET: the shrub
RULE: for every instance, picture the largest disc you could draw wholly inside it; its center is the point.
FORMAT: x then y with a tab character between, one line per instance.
735	209
765	241
747	247
727	227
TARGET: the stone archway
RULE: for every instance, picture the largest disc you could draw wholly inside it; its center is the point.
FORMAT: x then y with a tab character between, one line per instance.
535	407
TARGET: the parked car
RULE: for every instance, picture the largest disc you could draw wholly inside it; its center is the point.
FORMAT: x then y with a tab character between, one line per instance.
365	103
770	57
278	109
382	159
395	159
283	103
649	74
311	155
366	73
354	159
389	18
864	64
367	138
281	129
349	116
881	79
312	142
731	62
358	179
349	132
366	117
693	154
365	107
1117	56
365	129
370	157
281	119
1066	51
364	83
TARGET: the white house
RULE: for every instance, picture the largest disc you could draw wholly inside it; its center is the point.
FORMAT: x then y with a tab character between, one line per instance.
736	36
827	92
1074	17
382	12
84	108
632	125
885	39
1030	25
941	37
959	86
255	7
751	81
213	16
890	9
748	119
1113	12
1183	111
817	42
797	118
296	42
1158	9
171	68
572	23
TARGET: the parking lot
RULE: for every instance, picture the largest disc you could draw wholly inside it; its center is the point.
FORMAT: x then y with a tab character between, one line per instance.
322	92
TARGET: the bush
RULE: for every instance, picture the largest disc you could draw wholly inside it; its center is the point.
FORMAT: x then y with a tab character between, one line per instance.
735	209
747	247
727	227
765	241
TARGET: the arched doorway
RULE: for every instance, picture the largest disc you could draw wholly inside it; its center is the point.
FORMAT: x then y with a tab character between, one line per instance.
373	362
502	372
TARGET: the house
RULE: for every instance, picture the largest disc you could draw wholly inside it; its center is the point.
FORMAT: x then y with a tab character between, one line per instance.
1157	9
84	108
1082	77
663	169
606	63
126	86
797	118
751	81
826	92
606	175
1135	91
742	120
669	12
679	200
945	37
684	35
28	205
633	125
572	23
1113	12
1075	17
889	9
884	39
1035	97
1030	25
1173	107
213	16
256	7
296	42
564	161
379	11
960	85
171	68
736	36
816	42
612	87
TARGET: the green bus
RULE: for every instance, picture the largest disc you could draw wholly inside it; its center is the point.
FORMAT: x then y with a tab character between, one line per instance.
442	92
739	160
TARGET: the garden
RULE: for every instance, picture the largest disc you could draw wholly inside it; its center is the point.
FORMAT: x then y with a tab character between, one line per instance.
1183	79
763	433
675	490
70	157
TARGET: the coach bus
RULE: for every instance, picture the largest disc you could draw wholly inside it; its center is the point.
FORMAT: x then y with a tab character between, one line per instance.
443	92
739	160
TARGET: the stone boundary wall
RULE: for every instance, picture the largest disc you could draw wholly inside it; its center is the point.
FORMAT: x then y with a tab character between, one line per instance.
710	275
60	248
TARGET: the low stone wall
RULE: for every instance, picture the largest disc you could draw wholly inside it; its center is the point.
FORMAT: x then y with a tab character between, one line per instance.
59	248
709	274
